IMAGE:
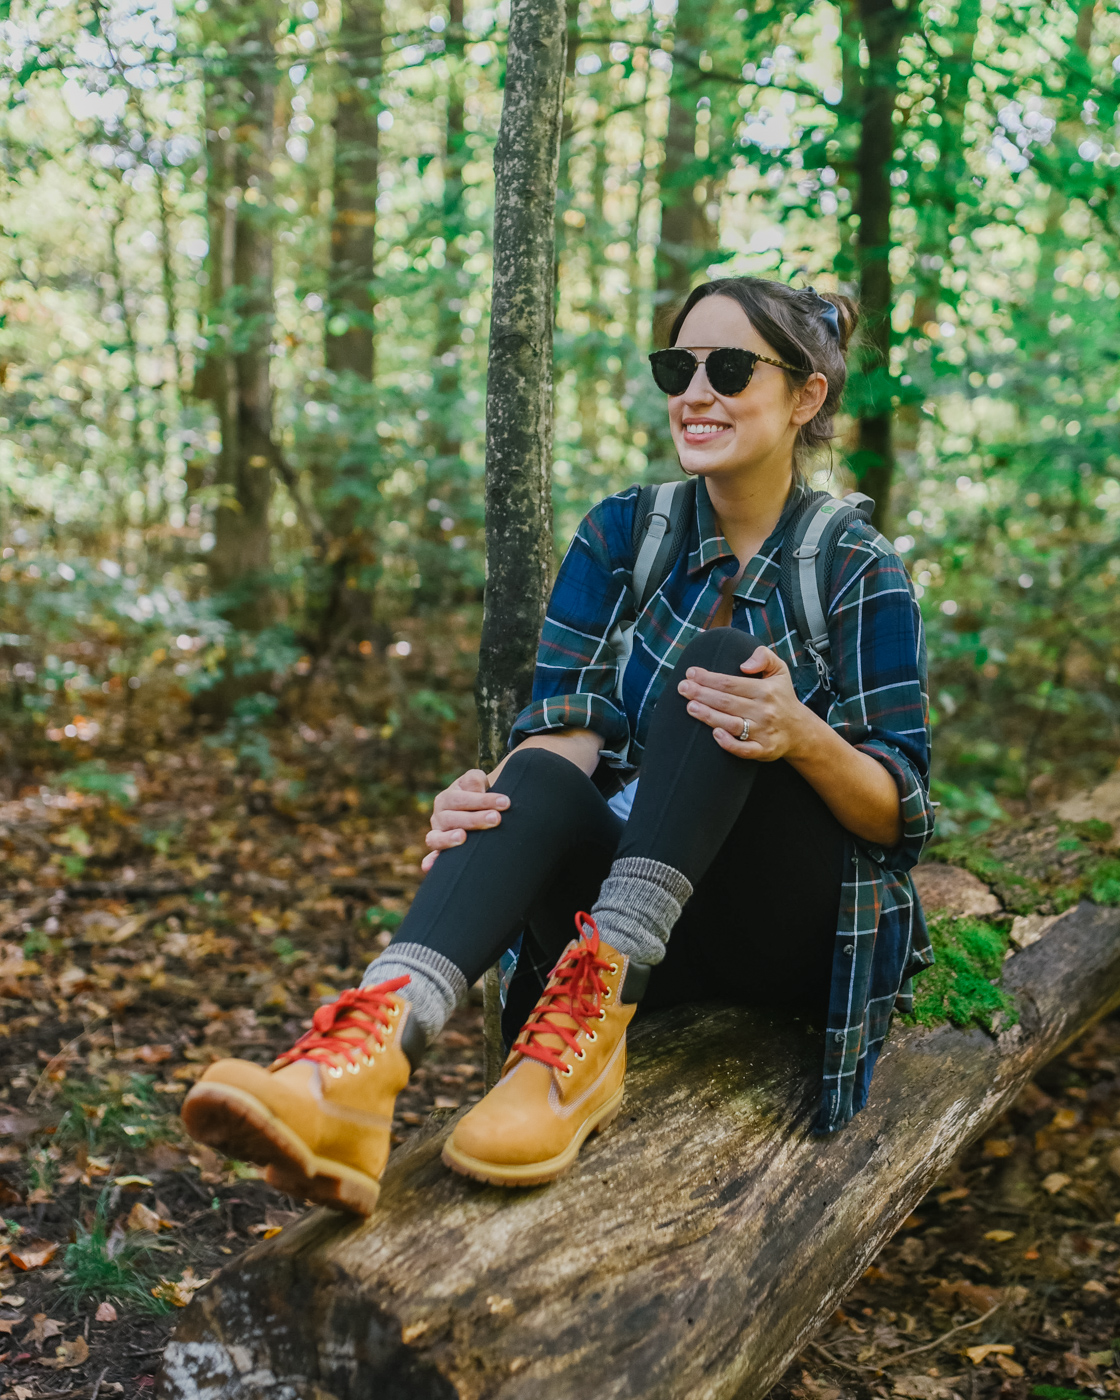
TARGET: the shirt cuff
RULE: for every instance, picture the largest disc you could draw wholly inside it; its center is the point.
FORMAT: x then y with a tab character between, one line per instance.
577	711
917	814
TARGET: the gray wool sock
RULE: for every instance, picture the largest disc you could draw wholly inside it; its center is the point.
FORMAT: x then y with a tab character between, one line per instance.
638	905
436	986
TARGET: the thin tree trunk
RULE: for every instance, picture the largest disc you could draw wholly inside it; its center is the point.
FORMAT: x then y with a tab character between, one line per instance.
236	374
882	27
519	388
354	216
686	232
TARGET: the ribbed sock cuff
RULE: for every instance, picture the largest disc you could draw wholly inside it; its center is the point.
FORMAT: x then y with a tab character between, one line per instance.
638	905
436	986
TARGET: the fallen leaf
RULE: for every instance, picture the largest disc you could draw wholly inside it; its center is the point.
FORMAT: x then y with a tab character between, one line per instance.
179	1292
414	1330
1000	1236
8	1323
1055	1182
68	1355
1009	1367
9	1196
978	1295
442	1101
13	1300
1066	1118
34	1254
132	1181
958	1193
1094	1286
43	1328
105	1313
999	1147
1101	1358
978	1355
140	1217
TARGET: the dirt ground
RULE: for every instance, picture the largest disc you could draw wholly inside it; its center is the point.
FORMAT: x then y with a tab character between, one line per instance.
141	939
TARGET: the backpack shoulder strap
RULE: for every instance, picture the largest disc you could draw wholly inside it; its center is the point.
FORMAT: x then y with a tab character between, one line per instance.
661	524
808	560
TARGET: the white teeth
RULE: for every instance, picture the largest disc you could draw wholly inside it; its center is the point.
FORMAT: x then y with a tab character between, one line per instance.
704	427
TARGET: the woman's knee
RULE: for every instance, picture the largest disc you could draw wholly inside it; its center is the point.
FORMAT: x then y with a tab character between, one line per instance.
533	765
719	649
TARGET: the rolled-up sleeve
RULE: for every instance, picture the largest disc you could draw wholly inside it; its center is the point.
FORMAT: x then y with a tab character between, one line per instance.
882	707
576	674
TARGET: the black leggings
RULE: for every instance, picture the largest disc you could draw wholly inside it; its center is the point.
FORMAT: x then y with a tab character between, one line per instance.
762	851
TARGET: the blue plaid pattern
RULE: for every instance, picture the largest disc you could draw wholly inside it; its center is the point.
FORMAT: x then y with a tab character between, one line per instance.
878	703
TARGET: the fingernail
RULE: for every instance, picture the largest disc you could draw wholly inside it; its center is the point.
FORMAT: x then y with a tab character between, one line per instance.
503	802
492	818
693	708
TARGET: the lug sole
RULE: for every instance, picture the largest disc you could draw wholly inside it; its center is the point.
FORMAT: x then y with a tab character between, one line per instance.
248	1131
532	1173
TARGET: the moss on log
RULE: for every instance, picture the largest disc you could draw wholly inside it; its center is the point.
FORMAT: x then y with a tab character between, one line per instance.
692	1251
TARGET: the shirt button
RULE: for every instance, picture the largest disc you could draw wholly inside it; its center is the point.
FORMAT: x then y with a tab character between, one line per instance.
849	948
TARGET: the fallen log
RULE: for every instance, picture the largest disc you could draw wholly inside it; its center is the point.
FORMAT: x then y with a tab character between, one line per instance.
693	1250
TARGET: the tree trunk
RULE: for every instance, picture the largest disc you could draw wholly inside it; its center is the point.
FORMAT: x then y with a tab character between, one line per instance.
693	1250
686	232
882	26
235	375
519	390
354	214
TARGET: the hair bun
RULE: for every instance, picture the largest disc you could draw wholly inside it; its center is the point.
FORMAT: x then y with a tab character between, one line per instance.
847	316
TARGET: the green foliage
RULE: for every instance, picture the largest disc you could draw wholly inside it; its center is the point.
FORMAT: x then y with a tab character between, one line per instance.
101	1264
106	1118
93	776
963	985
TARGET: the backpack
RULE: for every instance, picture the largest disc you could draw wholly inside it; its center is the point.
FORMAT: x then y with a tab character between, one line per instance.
661	523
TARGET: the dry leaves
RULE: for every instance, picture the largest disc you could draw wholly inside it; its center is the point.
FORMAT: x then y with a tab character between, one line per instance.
1055	1182
33	1255
179	1292
105	1313
142	1217
68	1355
42	1329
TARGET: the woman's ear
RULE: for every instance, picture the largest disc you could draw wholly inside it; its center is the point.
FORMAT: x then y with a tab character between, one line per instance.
810	399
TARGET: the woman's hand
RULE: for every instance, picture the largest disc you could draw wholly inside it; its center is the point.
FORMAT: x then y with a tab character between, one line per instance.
764	696
467	805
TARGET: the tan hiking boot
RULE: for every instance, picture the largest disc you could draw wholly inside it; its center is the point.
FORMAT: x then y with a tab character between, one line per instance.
319	1117
563	1078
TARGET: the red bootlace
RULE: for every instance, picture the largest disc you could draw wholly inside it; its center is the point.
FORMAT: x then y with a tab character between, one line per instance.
575	989
366	1010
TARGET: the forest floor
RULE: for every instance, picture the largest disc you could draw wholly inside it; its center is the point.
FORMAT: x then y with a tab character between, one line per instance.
210	914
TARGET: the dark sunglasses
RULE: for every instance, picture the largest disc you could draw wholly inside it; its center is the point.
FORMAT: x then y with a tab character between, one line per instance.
729	369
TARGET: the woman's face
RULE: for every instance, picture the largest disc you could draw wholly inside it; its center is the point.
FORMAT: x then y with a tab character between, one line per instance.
755	431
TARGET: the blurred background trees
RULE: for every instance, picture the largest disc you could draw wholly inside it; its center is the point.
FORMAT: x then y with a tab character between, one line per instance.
246	273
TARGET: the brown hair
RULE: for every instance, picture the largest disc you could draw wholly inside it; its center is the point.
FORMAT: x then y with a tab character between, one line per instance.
796	323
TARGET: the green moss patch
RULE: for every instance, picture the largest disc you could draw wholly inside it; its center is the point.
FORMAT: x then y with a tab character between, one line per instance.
963	987
1039	864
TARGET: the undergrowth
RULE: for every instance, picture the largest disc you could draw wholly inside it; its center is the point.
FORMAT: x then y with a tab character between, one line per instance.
962	987
103	1264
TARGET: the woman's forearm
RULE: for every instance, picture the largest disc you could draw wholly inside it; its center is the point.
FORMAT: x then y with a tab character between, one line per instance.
858	791
579	746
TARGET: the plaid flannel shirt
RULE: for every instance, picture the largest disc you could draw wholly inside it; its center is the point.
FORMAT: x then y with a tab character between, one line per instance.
878	703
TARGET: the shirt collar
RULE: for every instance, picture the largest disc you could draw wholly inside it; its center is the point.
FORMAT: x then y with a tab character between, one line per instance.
710	547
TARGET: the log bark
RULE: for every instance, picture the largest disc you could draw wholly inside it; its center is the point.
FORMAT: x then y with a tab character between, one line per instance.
692	1251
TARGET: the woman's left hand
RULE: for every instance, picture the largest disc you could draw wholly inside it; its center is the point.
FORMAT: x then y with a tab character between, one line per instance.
764	696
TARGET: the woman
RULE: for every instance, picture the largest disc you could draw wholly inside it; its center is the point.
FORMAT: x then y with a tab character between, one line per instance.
770	835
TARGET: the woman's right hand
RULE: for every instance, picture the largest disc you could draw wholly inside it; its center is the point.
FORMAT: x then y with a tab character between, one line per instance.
467	805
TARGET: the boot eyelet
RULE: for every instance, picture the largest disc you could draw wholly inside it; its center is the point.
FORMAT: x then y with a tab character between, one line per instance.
567	1072
335	1071
379	1048
581	1054
614	968
606	994
592	1036
354	1068
395	1009
602	1014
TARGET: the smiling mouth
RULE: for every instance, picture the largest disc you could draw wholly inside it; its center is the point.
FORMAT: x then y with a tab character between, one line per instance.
705	429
